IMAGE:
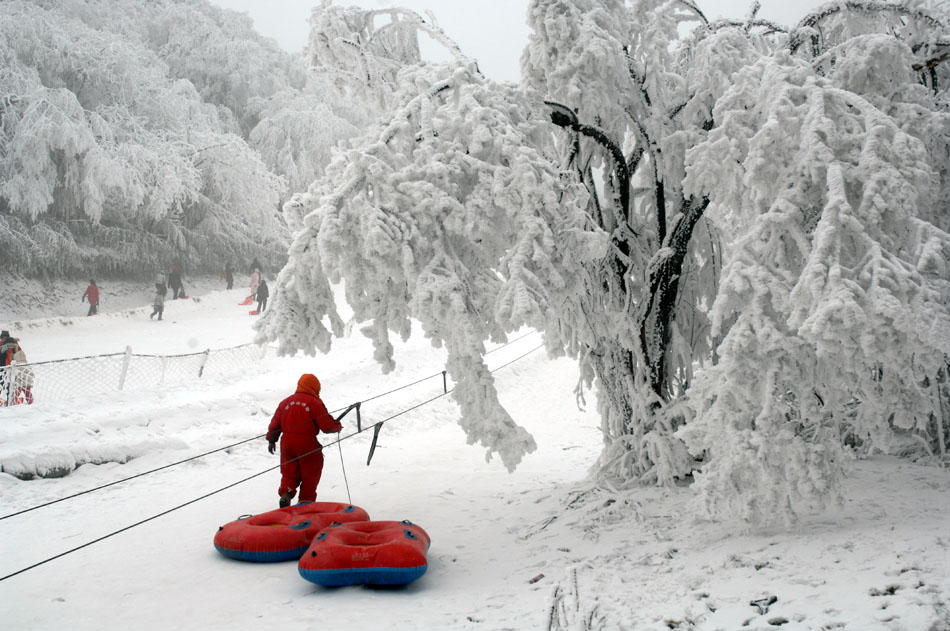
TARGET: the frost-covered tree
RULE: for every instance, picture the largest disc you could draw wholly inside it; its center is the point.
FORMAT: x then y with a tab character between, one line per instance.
362	52
262	93
597	316
298	128
633	104
421	221
898	58
834	300
217	50
136	135
108	164
709	219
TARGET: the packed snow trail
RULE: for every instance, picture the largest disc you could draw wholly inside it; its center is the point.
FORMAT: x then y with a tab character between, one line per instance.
641	560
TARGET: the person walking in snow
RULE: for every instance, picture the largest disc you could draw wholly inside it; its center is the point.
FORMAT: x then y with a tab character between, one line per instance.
255	282
92	293
23	379
8	346
262	293
297	421
158	300
174	282
4	362
256	266
229	274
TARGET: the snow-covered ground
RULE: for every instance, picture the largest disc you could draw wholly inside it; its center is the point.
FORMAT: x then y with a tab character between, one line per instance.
606	559
30	303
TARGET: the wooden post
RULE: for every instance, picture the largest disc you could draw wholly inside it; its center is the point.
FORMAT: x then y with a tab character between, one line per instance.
125	366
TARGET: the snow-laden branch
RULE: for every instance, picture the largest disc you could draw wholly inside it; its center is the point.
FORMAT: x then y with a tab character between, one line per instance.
805	29
739	246
366	59
450	215
562	116
825	296
430	29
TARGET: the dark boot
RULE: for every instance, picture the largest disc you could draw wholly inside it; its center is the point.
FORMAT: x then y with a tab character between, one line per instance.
285	500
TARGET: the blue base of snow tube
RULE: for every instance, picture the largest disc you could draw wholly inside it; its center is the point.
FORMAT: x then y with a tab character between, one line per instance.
364	576
263	557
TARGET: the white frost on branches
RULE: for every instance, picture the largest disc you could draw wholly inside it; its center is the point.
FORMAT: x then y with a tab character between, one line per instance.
141	134
362	52
834	300
95	131
298	130
451	214
739	232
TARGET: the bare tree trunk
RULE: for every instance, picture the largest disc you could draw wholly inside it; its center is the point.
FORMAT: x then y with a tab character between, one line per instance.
635	384
659	304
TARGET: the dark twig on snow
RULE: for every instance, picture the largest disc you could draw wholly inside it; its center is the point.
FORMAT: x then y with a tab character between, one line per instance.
763	604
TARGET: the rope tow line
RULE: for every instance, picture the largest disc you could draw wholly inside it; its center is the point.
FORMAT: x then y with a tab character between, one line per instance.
376	429
139	475
379	424
247	440
138	523
167	466
443	373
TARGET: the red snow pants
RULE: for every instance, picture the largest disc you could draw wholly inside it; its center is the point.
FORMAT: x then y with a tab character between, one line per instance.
299	470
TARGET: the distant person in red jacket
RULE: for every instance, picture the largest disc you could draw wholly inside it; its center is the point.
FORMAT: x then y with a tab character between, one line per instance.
300	417
92	293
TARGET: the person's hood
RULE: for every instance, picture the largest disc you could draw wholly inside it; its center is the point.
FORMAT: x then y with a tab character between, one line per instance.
309	384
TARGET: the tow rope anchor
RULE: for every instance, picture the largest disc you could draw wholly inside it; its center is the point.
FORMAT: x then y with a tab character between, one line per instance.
372	446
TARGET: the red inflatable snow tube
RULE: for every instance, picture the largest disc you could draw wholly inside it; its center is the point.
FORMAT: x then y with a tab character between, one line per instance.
366	553
283	534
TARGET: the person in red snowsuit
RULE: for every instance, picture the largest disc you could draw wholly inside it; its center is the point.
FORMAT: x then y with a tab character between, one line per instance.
299	418
92	292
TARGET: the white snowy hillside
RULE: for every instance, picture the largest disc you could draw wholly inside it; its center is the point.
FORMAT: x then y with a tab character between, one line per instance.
539	548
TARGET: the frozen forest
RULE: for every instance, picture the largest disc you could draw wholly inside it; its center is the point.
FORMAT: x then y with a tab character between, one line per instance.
134	136
739	229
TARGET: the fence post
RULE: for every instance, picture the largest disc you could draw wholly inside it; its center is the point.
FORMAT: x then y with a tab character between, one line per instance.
204	360
11	385
445	385
125	366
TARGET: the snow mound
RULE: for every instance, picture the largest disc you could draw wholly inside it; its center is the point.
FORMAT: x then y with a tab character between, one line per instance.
58	461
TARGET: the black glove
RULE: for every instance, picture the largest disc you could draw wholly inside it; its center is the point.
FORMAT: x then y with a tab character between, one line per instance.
271	447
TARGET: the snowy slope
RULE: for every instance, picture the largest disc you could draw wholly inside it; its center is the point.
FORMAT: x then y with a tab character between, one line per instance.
609	559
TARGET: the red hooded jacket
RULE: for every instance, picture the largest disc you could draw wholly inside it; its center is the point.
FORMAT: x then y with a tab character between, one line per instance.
92	292
302	415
